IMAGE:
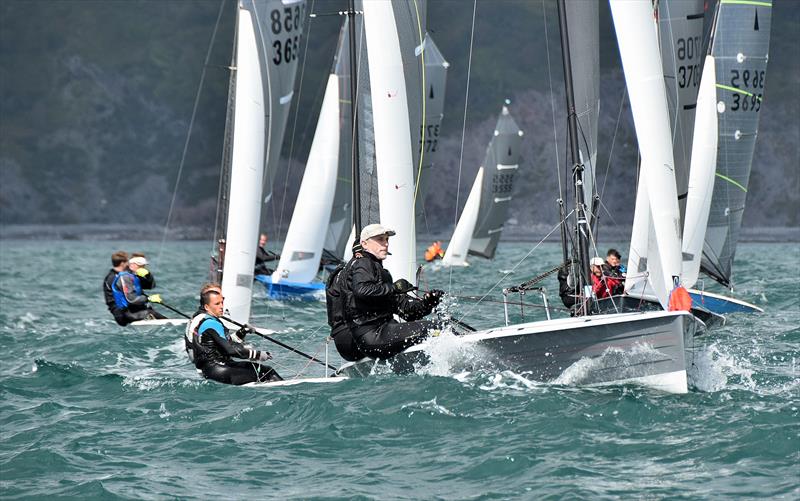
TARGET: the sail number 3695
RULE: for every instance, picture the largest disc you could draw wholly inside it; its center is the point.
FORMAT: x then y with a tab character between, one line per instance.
286	50
747	79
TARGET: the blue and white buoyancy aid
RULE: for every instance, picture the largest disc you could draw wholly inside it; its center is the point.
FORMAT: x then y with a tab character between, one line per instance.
119	296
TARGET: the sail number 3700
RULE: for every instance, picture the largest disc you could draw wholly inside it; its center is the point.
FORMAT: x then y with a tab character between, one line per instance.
286	50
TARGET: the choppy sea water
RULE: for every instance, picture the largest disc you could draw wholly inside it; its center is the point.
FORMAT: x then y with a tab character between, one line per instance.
92	410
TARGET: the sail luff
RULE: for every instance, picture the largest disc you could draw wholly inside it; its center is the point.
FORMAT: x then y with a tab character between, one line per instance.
638	42
246	174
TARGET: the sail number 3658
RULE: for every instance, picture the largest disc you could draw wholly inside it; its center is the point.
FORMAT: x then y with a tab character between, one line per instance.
286	50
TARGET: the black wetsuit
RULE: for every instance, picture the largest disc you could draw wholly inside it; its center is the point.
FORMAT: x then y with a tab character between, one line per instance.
335	300
108	293
214	352
371	303
263	257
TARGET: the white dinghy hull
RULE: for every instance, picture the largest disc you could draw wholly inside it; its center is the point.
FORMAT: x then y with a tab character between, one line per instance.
647	348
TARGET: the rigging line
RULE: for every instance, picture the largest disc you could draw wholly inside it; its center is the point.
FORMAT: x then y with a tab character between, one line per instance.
294	123
191	127
552	101
422	130
509	272
463	128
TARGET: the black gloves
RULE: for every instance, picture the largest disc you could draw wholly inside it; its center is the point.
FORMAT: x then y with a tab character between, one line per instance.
402	286
433	297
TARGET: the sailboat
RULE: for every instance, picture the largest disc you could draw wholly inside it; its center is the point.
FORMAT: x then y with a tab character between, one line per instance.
268	34
656	341
731	91
481	223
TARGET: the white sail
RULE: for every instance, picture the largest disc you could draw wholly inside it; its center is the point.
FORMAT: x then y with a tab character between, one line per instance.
637	35
392	136
701	174
247	171
302	249
456	253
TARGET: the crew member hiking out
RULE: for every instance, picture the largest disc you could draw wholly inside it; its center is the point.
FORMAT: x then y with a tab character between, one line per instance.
335	301
372	299
214	349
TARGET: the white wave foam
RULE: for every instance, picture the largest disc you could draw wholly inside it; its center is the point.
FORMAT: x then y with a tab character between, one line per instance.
713	369
430	406
448	354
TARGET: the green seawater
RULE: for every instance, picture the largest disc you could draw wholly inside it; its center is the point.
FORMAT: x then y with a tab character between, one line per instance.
91	410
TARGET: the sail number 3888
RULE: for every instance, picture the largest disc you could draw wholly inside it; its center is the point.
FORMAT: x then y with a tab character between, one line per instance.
286	50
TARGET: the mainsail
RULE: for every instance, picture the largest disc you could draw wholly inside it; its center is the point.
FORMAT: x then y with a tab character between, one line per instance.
500	166
427	138
680	27
740	47
584	50
260	95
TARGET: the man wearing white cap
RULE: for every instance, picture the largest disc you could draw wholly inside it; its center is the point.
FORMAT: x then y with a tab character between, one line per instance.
372	300
137	264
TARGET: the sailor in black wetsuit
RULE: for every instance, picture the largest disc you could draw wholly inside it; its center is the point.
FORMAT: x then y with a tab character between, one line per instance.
372	300
119	263
214	349
263	256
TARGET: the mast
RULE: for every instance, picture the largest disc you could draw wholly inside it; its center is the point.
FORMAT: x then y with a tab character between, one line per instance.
577	166
351	16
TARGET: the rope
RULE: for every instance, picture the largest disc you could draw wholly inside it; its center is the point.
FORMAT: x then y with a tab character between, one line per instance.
463	127
191	127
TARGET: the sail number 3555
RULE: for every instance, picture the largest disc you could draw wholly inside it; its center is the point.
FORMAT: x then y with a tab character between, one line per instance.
291	19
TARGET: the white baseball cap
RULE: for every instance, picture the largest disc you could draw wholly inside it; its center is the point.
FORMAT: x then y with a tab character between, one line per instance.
373	230
597	261
138	260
